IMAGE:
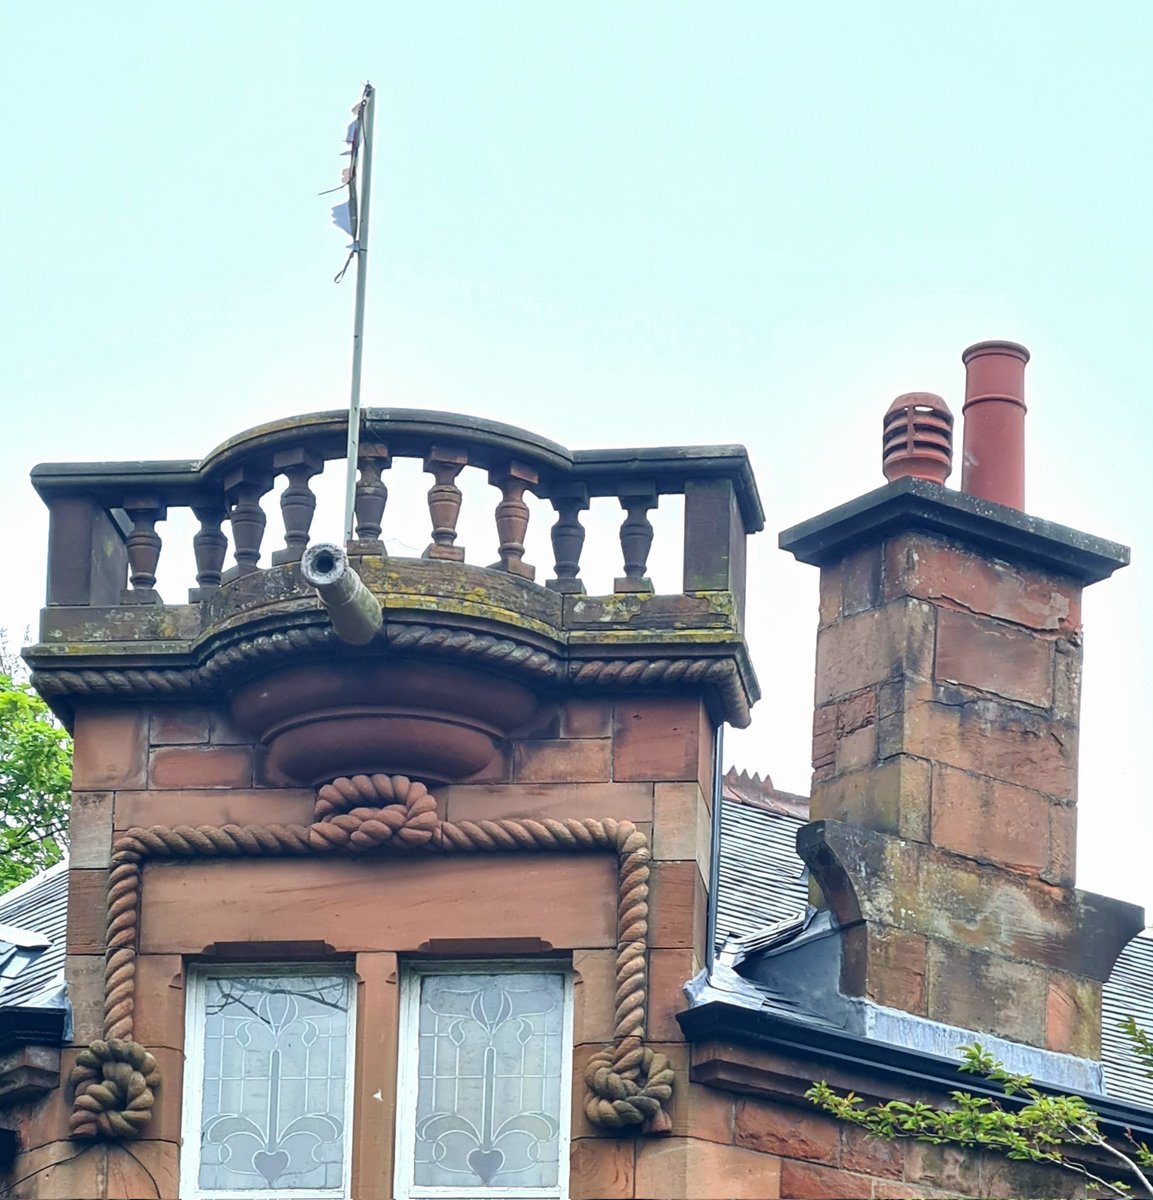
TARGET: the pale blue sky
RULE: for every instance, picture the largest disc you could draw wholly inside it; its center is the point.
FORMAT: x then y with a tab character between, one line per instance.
611	223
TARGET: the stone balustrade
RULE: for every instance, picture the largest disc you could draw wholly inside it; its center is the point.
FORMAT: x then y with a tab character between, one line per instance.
106	518
107	631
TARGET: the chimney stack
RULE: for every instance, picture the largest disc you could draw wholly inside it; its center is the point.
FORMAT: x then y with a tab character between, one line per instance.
993	458
945	733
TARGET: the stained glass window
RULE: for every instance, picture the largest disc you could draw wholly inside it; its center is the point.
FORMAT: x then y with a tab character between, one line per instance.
489	1075
271	1086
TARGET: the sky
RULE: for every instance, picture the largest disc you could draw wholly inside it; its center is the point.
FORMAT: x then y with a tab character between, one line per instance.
613	224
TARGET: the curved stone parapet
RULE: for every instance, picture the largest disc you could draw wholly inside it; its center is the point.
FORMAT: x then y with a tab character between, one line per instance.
107	632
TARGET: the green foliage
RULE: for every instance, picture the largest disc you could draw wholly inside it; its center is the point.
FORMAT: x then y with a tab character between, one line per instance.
1035	1127
35	777
1142	1044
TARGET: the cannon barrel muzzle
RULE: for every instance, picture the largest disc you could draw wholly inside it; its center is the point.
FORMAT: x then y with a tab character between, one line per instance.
356	614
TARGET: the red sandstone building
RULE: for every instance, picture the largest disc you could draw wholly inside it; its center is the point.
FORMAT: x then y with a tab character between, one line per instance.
430	888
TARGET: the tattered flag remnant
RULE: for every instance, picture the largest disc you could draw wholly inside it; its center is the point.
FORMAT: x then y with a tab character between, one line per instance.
345	216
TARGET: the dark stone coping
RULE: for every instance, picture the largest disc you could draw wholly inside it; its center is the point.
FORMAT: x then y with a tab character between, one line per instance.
897	1066
410	433
917	504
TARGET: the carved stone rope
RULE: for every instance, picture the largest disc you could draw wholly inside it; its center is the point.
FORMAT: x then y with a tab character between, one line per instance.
633	673
244	655
115	1078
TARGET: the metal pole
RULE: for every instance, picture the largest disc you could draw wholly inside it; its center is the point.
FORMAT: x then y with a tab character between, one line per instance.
365	175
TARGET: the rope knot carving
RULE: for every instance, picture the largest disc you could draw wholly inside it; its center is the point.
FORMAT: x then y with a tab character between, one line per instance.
628	1083
367	811
113	1083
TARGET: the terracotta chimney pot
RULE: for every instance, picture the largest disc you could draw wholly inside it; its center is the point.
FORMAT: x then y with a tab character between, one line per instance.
917	439
993	458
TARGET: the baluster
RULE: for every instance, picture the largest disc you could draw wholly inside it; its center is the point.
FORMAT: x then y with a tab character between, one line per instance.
444	465
297	501
636	539
568	536
209	545
243	488
371	493
143	547
512	515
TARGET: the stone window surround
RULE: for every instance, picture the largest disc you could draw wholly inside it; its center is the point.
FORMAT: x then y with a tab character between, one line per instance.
115	1078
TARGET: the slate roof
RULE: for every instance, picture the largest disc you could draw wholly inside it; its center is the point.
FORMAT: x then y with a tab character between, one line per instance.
761	878
1129	993
28	966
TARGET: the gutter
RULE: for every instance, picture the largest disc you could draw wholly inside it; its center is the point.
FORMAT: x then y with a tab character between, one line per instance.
825	1046
26	1026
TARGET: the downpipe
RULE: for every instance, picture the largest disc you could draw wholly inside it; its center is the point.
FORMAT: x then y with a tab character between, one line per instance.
355	613
715	849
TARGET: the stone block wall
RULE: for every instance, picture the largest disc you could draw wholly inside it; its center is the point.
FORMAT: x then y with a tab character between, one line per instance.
817	1157
945	736
947	699
825	1159
643	759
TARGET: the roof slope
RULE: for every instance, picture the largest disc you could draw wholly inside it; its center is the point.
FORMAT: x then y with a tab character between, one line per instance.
38	906
761	879
1129	993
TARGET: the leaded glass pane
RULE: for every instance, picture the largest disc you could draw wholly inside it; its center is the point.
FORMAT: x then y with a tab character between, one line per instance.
275	1072
489	1058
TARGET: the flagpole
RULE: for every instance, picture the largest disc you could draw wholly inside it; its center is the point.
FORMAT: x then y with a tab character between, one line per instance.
363	209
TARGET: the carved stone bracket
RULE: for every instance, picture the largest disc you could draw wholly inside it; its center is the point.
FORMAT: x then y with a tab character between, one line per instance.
115	1079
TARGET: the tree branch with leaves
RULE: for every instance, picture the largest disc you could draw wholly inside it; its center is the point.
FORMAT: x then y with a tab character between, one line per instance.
35	778
1038	1128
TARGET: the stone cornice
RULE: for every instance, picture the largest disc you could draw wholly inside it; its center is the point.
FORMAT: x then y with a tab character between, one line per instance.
449	612
918	504
30	1059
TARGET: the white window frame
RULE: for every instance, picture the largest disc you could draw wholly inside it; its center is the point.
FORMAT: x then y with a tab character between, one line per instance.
407	1079
197	977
